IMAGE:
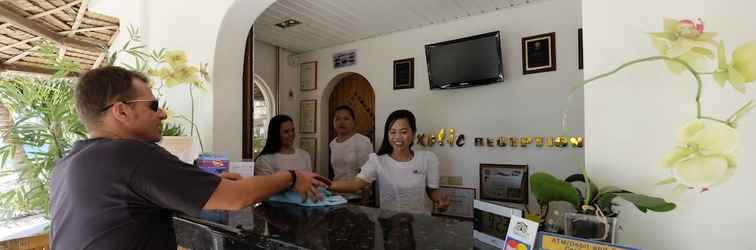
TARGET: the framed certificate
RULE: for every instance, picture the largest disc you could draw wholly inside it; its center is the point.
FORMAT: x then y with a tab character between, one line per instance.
308	76
539	53
308	111
504	182
460	202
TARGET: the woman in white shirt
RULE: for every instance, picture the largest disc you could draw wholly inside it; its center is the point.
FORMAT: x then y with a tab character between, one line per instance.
404	175
279	152
349	150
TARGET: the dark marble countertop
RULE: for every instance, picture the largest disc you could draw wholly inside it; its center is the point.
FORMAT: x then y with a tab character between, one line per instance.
273	225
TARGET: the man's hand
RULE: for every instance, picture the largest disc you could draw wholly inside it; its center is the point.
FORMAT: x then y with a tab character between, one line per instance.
230	176
308	184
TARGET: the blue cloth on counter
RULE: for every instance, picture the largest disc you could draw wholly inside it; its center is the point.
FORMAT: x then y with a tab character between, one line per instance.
293	197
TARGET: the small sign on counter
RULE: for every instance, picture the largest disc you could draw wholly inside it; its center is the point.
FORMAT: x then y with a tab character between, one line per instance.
550	241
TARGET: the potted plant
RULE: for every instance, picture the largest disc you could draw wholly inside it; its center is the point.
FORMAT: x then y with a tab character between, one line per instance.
596	218
168	68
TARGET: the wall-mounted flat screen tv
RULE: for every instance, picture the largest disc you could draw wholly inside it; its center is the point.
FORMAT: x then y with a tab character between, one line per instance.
465	62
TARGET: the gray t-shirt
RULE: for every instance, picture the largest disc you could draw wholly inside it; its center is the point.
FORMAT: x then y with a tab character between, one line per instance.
122	194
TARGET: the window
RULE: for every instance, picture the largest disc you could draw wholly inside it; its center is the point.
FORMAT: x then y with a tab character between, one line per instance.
262	111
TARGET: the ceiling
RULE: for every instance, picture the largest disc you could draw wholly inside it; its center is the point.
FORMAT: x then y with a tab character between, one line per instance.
327	23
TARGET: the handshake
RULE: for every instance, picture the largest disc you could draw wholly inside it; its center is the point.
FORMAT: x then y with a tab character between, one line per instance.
304	182
308	184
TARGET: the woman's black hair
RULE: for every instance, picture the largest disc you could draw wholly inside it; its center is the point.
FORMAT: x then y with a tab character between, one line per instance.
396	115
345	108
273	142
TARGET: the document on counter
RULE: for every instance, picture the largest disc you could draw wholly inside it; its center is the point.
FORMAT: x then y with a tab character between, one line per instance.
243	168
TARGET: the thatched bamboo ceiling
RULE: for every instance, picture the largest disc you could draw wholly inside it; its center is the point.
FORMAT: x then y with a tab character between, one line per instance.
80	35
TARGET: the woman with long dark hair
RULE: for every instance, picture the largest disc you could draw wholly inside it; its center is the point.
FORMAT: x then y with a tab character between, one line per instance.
279	152
404	175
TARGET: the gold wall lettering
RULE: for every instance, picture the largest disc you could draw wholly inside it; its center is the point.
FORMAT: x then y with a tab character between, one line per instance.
460	140
448	137
576	141
440	137
525	140
478	141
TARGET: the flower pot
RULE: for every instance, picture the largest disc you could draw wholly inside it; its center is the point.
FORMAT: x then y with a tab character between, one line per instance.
591	227
180	146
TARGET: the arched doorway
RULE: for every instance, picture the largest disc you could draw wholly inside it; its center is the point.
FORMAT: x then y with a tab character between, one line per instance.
354	91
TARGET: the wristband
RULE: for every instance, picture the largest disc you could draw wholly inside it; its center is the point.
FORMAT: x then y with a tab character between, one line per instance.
293	178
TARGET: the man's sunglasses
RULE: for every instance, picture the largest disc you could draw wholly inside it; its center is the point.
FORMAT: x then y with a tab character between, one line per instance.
154	104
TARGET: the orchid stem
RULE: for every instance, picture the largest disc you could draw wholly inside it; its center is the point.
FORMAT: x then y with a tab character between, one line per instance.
714	119
655	58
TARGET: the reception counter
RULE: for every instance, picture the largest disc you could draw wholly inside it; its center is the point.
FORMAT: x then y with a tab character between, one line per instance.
283	226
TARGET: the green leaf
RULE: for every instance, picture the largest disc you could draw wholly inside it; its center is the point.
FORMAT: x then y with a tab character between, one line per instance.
703	51
592	188
721	56
548	188
737	80
645	202
675	67
671	180
604	200
721	77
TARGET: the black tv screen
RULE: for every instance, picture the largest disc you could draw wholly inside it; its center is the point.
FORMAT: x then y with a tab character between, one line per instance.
465	62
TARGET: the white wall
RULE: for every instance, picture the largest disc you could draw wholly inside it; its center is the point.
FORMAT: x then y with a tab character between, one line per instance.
632	120
522	105
192	26
264	63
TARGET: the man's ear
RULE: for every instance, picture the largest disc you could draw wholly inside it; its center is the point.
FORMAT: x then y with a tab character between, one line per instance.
120	111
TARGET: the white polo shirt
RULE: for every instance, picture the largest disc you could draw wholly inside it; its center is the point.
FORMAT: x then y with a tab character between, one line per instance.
402	184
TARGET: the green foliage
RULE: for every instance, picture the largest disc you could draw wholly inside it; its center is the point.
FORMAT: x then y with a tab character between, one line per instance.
166	68
170	129
548	188
62	67
44	128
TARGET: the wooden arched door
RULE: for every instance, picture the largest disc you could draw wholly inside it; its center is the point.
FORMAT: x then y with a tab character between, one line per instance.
354	91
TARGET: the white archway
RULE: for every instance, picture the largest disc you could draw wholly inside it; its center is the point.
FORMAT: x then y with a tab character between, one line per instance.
227	72
266	92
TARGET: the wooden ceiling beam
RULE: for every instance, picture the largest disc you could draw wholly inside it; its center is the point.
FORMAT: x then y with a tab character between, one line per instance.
48	12
19	43
15	19
31	69
20	56
79	17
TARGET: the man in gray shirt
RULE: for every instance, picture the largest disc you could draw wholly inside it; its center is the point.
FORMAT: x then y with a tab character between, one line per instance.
119	190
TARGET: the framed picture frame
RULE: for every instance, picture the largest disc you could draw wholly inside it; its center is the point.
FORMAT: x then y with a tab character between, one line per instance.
539	53
310	144
504	182
308	76
460	202
580	48
404	73
308	111
345	58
